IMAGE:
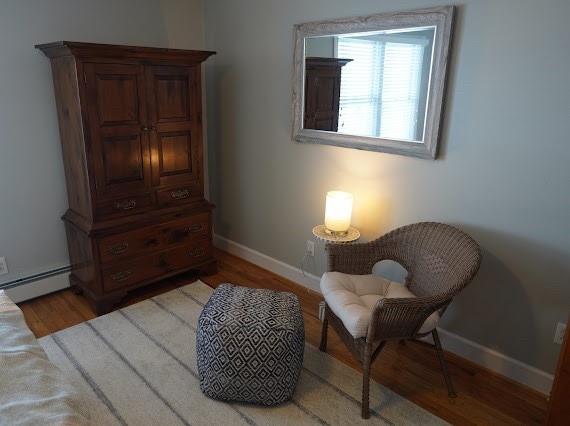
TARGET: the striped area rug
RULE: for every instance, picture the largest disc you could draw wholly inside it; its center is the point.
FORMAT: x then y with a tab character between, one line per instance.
137	366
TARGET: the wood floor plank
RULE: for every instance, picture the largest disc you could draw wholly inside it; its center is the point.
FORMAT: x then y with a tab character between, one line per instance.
410	370
34	321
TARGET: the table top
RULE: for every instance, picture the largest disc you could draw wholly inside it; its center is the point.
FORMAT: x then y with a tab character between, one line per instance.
351	235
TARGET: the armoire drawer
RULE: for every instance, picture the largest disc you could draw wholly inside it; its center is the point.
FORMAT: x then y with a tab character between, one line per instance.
126	205
189	192
145	268
153	238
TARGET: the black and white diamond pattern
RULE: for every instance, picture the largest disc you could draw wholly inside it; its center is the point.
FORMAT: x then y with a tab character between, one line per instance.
250	345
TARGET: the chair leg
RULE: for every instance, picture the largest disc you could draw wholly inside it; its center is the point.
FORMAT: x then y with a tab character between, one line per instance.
365	408
323	345
450	390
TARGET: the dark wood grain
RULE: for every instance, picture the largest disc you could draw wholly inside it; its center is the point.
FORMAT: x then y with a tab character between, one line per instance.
322	92
131	135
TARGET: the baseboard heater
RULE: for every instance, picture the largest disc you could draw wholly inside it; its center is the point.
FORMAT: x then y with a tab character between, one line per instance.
35	277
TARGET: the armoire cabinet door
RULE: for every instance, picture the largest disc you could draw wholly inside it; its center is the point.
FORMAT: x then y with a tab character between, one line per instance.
120	133
176	150
322	100
131	133
322	92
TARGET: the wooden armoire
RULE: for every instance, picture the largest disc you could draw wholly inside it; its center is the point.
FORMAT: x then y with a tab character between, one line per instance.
130	121
322	92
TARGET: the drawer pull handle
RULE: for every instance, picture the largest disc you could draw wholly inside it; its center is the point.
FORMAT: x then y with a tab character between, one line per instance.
179	194
118	248
121	276
125	205
197	252
197	227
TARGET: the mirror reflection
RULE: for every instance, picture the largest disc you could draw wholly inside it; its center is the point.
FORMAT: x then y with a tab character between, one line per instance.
369	84
374	82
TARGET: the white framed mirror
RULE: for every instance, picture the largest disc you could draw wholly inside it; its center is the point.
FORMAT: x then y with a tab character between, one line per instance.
374	83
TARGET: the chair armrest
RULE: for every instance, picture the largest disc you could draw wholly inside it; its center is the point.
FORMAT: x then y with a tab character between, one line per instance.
402	318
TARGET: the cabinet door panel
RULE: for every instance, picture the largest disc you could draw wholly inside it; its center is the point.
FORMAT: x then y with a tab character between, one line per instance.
322	92
123	160
117	99
172	91
174	111
175	153
118	119
322	101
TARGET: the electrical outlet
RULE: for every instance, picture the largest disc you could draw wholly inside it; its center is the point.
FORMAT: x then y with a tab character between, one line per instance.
310	248
3	266
559	335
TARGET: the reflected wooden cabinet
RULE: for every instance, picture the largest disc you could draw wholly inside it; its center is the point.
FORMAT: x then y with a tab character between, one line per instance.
131	130
322	92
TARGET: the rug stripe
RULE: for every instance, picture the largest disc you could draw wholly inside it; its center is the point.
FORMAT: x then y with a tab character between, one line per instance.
174	314
134	370
90	381
178	360
345	395
198	302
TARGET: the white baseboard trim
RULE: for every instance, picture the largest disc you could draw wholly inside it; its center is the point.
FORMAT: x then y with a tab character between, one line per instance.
280	268
485	357
499	363
38	288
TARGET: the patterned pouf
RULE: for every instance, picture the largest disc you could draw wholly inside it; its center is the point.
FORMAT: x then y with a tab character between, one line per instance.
250	345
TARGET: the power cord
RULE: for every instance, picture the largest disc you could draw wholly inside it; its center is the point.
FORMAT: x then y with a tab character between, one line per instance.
321	304
303	272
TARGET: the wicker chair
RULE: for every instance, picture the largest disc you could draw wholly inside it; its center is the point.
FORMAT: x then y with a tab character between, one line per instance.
440	261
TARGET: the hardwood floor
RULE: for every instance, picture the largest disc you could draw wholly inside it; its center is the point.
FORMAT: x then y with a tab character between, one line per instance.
411	370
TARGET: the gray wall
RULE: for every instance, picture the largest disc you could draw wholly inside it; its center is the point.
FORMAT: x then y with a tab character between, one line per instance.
502	175
32	185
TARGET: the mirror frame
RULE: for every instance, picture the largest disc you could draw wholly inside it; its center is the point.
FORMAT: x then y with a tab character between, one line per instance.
440	17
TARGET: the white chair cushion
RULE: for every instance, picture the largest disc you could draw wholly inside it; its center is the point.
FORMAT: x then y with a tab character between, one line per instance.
352	299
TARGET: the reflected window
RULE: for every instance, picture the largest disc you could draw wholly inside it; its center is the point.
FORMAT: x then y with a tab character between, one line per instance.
381	89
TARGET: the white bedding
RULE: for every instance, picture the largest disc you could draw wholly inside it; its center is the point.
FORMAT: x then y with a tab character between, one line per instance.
33	391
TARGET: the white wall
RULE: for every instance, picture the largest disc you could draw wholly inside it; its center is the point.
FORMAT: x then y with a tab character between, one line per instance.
32	185
502	174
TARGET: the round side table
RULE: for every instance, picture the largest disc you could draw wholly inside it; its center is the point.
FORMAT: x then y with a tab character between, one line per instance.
351	235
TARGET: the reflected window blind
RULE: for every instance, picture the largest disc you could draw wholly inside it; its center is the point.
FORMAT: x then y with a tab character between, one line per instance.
379	94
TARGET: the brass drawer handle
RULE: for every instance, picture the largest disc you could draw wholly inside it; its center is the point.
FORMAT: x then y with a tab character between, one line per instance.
125	205
118	248
121	276
197	227
197	252
179	194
